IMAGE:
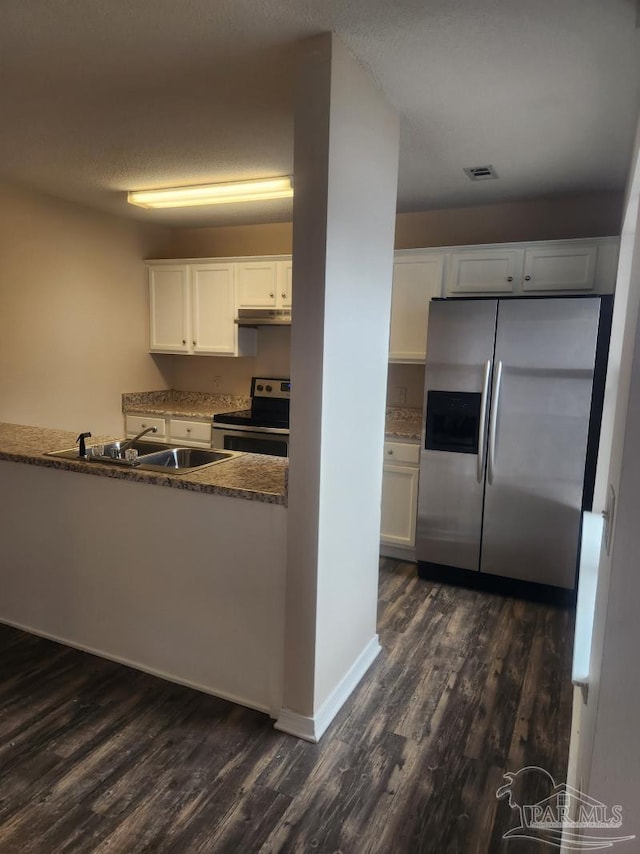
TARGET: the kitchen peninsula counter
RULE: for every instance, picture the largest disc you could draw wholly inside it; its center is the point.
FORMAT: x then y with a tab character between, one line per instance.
185	582
253	477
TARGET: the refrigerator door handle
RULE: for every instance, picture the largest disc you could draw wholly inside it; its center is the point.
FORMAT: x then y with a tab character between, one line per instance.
493	419
483	419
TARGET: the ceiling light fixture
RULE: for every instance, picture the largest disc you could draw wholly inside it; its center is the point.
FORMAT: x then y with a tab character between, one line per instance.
259	190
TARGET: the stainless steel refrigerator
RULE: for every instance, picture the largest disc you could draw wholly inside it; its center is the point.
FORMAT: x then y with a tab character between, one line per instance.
510	435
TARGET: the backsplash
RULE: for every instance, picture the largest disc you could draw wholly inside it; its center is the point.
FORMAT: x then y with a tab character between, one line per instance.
135	399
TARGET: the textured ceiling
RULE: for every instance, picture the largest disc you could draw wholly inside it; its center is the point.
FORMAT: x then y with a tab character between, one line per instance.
101	96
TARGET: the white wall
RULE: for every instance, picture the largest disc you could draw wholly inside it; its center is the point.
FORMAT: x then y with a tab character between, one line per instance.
605	753
73	313
345	154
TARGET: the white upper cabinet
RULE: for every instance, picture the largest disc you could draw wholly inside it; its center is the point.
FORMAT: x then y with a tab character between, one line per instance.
169	306
192	310
560	268
264	283
417	277
484	271
213	310
285	278
257	284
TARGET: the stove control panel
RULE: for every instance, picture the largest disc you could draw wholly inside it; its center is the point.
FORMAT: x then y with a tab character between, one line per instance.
271	387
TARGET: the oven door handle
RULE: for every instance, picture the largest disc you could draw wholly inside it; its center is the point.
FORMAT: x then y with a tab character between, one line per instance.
241	428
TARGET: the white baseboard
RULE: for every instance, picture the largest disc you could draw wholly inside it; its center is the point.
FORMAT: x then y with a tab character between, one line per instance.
312	728
398	552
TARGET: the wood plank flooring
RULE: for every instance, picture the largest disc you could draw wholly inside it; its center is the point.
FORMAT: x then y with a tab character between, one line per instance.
95	757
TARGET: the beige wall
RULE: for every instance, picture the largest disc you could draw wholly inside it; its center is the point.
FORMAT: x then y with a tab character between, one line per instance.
268	239
73	298
73	313
200	373
552	218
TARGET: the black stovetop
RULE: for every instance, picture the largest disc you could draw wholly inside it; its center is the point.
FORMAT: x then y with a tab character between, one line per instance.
248	418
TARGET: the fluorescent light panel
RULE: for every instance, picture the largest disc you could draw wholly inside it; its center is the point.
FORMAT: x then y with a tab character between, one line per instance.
213	194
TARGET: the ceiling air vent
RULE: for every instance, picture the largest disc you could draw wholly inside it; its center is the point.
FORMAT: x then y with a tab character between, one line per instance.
481	173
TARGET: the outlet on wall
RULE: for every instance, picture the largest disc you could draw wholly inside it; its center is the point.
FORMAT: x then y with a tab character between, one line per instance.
216	383
400	396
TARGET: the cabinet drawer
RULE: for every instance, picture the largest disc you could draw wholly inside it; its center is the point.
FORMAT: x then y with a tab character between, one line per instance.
133	424
401	453
190	431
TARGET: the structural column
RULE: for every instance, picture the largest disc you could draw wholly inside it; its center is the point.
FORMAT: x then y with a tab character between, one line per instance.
345	171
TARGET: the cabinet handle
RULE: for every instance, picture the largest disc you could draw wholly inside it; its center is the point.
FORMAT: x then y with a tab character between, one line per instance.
527	278
184	340
283	295
509	278
144	426
271	295
188	429
390	453
194	343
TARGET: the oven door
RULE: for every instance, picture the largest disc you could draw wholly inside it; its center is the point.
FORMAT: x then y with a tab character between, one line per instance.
254	441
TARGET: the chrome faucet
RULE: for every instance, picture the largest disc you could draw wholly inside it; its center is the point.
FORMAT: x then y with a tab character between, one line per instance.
129	442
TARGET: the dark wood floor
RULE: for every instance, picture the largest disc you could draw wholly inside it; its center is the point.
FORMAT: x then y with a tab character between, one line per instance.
95	757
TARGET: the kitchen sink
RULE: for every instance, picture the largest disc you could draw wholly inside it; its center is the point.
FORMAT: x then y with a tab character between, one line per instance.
152	456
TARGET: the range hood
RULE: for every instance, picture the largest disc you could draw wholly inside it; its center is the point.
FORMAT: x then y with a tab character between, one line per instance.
264	317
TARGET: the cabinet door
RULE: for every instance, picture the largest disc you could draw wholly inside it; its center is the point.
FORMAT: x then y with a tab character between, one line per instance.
560	268
484	271
399	505
285	275
257	284
415	282
169	309
214	330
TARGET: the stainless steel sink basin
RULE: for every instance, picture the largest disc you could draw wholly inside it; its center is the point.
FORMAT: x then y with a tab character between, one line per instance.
112	449
182	460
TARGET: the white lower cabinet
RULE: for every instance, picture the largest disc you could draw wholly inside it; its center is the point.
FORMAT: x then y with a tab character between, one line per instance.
193	433
176	431
400	494
134	424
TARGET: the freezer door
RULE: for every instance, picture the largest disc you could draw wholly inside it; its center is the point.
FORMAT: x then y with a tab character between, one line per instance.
541	397
459	353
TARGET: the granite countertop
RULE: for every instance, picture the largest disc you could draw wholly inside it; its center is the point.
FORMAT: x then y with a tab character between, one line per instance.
403	423
183	404
250	476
